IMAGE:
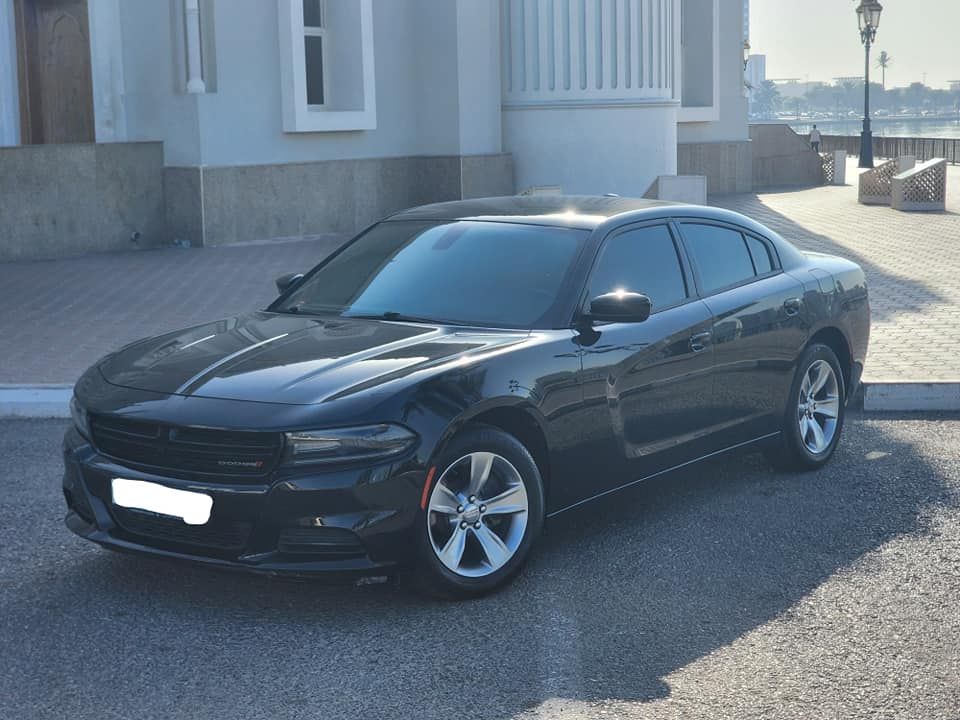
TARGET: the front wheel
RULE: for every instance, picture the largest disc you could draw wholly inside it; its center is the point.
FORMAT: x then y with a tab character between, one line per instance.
484	512
815	412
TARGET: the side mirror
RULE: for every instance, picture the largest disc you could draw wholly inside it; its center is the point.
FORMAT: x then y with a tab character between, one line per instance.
285	282
620	306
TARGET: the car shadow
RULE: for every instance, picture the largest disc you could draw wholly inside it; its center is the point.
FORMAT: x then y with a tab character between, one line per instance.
620	595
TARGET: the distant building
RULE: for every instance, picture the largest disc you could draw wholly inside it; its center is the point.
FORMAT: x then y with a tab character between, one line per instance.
746	21
756	73
790	88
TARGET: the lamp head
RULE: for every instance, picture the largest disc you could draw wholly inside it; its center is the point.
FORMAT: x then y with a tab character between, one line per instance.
868	18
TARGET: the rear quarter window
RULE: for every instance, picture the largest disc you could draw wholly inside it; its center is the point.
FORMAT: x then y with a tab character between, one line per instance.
760	253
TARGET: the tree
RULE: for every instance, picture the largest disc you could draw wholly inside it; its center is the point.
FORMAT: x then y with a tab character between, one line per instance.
915	95
767	100
851	94
883	62
821	97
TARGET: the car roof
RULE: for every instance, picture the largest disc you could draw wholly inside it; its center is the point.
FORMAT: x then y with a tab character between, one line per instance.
588	212
578	211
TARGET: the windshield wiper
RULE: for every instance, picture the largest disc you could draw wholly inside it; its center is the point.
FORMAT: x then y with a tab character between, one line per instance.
401	317
298	310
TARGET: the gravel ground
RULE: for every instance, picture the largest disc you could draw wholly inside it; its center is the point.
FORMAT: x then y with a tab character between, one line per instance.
724	591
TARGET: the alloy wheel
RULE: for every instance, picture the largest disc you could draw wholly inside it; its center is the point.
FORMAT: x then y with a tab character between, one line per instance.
477	516
819	407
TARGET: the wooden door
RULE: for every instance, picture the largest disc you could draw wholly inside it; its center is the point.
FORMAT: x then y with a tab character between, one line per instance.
56	89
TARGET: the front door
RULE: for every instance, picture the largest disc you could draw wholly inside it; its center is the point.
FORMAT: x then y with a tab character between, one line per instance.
56	91
645	384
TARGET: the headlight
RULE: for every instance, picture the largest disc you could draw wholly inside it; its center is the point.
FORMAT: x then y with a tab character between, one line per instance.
80	418
355	444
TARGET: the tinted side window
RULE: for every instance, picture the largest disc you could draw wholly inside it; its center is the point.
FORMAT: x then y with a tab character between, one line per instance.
720	254
760	254
643	260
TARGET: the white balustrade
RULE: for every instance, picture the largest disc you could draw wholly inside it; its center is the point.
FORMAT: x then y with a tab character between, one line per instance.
587	51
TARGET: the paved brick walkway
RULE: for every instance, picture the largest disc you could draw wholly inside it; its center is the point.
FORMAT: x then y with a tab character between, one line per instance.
59	316
912	261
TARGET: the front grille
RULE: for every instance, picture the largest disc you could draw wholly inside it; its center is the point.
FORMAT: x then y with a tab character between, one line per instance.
187	451
219	535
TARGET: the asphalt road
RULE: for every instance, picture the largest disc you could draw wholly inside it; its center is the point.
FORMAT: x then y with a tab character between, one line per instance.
725	591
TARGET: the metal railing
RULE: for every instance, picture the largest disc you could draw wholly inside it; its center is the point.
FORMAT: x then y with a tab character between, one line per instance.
894	147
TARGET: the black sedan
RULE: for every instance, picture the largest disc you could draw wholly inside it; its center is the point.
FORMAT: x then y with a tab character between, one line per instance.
428	395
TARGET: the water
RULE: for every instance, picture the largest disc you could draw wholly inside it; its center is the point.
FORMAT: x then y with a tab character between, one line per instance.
918	128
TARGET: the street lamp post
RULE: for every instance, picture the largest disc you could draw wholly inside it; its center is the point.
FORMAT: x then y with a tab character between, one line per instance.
868	16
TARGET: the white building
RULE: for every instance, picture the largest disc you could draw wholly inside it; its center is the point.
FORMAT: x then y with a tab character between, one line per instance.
755	74
291	117
746	23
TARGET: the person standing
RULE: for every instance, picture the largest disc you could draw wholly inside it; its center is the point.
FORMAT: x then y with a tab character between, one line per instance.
815	139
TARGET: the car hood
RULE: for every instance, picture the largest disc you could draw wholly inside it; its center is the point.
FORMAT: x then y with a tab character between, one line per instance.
293	359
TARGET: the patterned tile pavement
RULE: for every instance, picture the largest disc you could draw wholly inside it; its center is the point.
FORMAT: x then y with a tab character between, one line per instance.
912	261
59	316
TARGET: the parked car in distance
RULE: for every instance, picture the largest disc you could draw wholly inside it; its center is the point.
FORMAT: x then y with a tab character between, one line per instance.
427	396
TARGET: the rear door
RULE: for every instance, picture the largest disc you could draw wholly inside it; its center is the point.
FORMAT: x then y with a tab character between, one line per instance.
644	383
758	326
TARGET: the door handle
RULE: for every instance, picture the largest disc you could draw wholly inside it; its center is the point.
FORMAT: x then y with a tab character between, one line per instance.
699	342
792	306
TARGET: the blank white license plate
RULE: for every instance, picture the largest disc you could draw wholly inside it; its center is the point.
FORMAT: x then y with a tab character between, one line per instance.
191	507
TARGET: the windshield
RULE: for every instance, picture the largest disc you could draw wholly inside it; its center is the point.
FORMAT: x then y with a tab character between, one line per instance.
471	273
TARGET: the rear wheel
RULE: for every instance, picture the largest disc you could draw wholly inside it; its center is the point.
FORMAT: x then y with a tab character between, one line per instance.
484	512
815	412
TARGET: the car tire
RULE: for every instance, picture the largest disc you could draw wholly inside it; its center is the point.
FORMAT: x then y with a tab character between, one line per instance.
493	541
809	435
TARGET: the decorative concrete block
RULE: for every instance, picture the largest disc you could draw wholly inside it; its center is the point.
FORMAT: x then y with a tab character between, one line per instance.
875	184
921	189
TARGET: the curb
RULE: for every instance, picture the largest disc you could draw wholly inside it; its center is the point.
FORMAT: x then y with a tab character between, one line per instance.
53	401
35	401
911	396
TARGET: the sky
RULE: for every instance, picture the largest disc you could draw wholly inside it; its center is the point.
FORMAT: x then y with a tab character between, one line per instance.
819	39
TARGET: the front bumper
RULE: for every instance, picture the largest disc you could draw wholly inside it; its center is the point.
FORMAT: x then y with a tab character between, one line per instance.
349	522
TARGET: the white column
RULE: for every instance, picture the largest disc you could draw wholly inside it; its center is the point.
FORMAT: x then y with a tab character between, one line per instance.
195	84
478	76
106	60
9	85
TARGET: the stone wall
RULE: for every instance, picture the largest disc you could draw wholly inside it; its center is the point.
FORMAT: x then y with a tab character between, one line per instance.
61	200
727	165
221	205
781	158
